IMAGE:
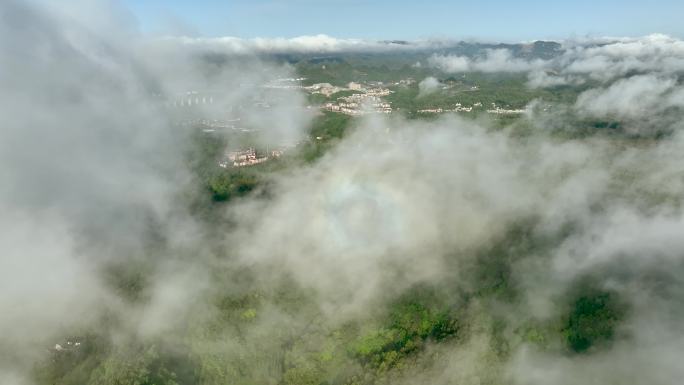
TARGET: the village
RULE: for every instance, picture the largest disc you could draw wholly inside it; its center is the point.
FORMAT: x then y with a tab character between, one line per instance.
355	99
250	156
363	99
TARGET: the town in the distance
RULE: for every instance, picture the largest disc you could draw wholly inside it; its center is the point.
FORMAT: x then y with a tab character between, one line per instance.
341	87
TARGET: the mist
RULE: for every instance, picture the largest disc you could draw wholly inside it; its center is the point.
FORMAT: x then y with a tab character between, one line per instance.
444	251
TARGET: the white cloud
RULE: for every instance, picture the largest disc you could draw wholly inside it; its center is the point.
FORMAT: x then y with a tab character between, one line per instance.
652	53
301	44
451	64
90	166
494	60
636	97
604	59
428	85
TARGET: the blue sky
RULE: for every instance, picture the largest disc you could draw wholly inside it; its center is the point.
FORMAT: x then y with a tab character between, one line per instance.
502	20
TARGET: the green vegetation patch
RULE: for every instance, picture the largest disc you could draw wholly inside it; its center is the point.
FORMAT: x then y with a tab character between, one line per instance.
592	321
408	327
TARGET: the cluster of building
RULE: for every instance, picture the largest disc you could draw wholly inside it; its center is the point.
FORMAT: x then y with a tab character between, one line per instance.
249	157
364	101
211	123
242	158
285	83
325	89
189	99
359	104
69	346
378	92
369	98
217	125
498	110
458	107
405	82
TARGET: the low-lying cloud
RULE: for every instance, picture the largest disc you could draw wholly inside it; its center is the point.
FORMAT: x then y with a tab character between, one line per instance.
301	44
635	97
95	179
494	60
428	86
